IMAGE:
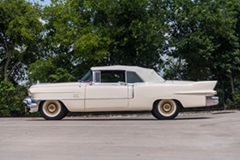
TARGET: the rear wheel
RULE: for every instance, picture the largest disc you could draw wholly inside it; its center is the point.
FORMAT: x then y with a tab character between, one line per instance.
52	110
165	109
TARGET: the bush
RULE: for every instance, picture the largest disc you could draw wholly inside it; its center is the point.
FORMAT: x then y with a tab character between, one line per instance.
11	97
235	102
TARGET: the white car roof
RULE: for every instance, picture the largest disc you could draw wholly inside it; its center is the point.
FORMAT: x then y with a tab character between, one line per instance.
147	75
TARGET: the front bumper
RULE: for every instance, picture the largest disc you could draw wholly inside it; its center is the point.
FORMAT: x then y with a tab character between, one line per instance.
32	105
212	100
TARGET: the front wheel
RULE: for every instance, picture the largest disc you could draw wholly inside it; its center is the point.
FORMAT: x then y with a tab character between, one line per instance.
165	109
52	110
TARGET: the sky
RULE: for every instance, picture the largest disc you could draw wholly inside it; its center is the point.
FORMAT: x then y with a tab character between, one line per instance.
43	2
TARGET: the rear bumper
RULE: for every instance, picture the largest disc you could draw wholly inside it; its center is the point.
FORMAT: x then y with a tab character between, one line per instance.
212	100
32	105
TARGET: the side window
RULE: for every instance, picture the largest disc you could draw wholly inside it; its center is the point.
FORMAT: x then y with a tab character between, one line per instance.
112	76
132	77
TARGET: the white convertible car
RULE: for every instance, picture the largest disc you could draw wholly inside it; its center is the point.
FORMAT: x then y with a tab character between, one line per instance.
120	88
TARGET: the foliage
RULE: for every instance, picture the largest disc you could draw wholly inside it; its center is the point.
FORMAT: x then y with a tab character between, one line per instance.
11	99
186	39
87	33
203	33
20	29
135	29
46	71
234	102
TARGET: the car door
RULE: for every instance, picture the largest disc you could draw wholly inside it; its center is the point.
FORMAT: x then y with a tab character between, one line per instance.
107	92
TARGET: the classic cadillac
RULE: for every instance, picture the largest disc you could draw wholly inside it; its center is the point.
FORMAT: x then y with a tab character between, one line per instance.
120	88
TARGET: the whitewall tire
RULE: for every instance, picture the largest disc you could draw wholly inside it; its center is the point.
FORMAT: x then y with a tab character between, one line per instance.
165	109
52	110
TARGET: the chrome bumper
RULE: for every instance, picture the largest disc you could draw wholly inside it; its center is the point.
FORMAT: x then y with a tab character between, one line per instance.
212	100
32	105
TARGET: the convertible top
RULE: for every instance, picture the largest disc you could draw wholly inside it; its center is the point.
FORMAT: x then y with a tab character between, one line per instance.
147	75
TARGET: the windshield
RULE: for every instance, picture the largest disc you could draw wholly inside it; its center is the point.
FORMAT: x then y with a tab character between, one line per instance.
87	77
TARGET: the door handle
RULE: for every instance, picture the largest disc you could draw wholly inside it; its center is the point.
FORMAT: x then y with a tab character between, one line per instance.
122	83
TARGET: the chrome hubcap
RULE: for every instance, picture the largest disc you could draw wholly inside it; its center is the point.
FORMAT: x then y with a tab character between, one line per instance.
167	107
52	108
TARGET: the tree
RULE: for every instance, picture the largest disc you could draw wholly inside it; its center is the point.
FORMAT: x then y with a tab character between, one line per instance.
204	36
20	27
71	43
86	33
136	29
50	70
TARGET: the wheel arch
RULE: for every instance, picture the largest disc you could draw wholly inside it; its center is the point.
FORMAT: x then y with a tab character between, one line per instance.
40	104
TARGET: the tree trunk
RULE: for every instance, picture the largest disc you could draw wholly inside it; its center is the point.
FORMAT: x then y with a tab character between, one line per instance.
6	68
232	83
7	62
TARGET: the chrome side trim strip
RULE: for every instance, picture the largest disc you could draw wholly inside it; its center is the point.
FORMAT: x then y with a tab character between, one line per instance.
132	91
69	99
106	98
